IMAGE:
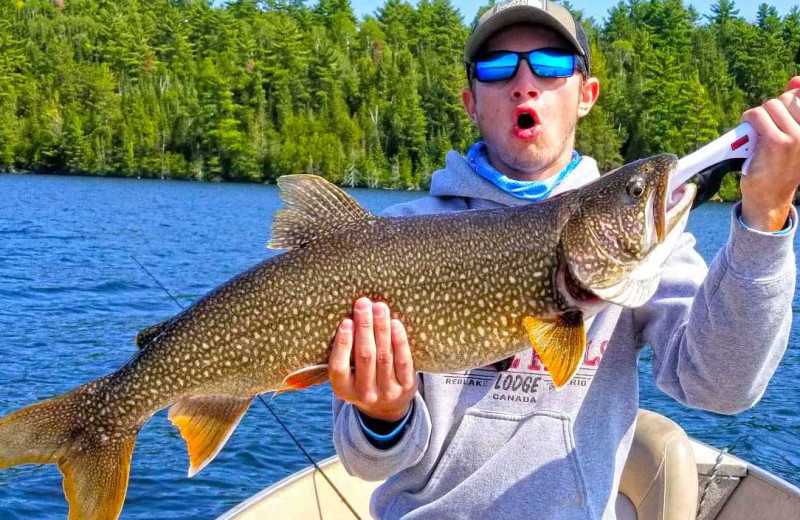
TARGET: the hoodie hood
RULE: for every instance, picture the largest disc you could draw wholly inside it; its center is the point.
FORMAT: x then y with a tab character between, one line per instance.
458	179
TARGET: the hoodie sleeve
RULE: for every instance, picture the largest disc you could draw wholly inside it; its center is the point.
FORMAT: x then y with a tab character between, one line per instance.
362	459
719	333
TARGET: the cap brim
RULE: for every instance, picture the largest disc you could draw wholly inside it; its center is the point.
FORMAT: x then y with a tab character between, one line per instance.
512	16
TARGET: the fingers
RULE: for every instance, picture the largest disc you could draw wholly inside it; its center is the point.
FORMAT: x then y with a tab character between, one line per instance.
761	121
782	117
777	123
403	363
339	361
778	116
791	100
384	359
384	381
774	171
364	351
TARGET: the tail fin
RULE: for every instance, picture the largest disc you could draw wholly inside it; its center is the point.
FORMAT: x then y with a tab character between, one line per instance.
95	462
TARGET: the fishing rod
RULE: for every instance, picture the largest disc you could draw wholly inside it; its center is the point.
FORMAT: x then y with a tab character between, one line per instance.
271	410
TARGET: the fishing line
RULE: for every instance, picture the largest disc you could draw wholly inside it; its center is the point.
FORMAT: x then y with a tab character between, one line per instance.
275	415
350	507
156	280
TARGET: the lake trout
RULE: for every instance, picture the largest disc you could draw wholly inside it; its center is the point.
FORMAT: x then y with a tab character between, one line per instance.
471	288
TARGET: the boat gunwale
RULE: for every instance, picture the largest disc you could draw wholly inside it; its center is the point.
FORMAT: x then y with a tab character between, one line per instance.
772	478
277	486
756	471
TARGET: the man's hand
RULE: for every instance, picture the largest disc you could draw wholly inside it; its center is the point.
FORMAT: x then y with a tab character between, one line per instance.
384	382
774	173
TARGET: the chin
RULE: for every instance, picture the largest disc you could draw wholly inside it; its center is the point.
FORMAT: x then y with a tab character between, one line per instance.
530	162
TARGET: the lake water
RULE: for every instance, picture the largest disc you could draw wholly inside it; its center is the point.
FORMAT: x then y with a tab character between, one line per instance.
72	299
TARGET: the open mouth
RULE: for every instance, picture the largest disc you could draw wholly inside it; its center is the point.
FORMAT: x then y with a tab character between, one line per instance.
526	122
678	202
665	210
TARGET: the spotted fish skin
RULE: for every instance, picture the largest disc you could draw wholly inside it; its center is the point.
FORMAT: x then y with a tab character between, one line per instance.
471	288
461	302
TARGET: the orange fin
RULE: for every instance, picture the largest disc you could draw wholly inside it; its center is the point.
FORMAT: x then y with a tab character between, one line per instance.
95	463
206	422
304	378
96	479
559	343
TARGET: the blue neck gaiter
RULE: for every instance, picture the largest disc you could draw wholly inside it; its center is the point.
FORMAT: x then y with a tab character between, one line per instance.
478	158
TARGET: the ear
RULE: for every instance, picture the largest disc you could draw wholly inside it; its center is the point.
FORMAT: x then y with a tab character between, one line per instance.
590	91
468	100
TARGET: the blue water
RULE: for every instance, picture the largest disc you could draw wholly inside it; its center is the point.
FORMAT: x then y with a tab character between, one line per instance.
72	300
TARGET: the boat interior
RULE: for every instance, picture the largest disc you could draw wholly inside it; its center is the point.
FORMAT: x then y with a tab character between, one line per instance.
668	476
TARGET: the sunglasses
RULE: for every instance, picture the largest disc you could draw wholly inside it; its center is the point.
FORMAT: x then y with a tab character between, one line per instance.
545	63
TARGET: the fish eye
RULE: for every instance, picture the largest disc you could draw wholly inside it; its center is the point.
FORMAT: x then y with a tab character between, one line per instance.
636	188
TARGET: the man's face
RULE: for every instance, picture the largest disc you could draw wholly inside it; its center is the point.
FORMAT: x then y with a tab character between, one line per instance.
503	110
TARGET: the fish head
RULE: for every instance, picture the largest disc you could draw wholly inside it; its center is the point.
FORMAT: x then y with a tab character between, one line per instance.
624	227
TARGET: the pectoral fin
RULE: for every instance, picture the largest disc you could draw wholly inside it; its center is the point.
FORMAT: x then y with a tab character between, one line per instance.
305	377
206	422
559	343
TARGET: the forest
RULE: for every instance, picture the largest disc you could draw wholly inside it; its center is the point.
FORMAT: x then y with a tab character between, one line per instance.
250	90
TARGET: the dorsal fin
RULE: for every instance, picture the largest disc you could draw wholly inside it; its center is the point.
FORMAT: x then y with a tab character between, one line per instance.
313	208
148	334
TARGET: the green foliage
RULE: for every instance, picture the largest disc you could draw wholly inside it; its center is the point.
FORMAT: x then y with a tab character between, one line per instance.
251	90
729	190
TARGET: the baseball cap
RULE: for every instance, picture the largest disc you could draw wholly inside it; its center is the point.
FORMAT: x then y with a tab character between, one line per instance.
540	12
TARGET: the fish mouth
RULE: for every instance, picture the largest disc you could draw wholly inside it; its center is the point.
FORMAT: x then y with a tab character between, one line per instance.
659	208
665	209
666	215
680	202
577	294
639	285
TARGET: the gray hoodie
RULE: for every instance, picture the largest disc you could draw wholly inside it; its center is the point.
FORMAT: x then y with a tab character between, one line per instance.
487	444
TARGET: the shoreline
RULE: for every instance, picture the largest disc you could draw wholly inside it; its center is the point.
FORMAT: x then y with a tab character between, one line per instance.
714	199
206	180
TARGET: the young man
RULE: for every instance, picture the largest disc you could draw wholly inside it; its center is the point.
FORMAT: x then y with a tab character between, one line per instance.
499	441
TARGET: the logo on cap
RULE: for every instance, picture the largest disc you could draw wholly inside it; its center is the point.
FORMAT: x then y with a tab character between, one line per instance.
512	3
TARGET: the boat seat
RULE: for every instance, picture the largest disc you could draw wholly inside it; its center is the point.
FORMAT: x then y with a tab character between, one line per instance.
659	480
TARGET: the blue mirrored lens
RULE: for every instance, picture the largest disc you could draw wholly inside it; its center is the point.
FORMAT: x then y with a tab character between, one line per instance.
551	63
497	67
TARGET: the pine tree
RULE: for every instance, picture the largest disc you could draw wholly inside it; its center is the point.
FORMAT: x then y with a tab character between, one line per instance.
249	90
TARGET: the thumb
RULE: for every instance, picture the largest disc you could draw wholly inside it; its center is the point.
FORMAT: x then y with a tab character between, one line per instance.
793	83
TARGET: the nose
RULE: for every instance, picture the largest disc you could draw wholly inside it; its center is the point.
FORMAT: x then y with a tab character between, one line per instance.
524	83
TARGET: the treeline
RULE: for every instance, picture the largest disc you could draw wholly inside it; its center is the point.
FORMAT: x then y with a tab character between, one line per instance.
253	90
